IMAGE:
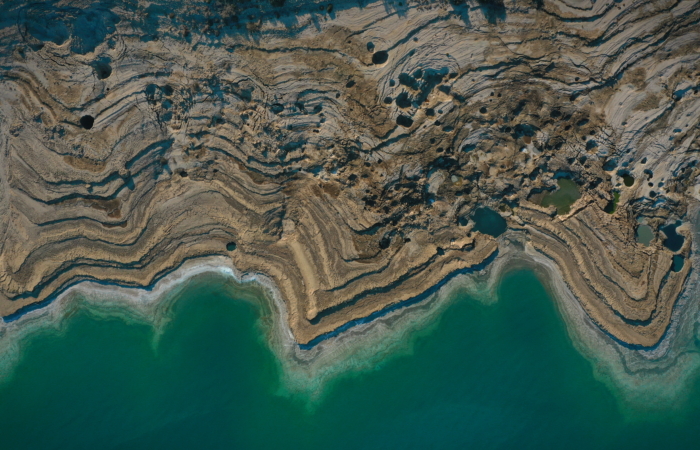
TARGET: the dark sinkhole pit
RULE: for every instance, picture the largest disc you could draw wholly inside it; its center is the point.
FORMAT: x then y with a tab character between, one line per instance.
380	57
673	241
404	121
102	69
231	246
524	130
678	262
403	101
385	241
610	165
87	122
611	206
628	180
488	221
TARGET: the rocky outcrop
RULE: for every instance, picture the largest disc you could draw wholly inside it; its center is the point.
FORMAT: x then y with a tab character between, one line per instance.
342	149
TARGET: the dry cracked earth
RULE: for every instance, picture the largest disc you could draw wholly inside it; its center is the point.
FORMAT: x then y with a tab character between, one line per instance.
356	153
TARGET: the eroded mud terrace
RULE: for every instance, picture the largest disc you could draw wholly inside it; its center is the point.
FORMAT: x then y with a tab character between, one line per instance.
344	149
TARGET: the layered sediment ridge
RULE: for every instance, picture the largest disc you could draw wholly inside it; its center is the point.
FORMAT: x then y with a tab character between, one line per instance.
343	150
627	289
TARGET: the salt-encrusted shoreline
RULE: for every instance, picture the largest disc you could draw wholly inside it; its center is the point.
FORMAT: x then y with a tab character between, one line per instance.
646	377
351	188
630	370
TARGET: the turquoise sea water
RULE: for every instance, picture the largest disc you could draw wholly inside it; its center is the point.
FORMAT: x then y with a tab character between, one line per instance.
499	375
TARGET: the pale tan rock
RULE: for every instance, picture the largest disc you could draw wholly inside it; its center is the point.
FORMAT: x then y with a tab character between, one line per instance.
281	136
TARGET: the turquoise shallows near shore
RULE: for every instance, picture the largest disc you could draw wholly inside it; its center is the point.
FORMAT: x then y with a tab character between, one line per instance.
477	373
204	359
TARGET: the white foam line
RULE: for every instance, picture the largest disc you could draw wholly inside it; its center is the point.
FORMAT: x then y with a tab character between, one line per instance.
359	347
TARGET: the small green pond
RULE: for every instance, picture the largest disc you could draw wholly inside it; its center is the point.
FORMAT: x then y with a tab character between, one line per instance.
562	198
611	207
645	234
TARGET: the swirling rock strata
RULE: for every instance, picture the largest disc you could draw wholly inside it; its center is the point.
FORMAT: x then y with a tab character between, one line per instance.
341	149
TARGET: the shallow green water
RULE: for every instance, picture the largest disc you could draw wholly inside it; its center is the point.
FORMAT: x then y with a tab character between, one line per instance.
563	197
645	234
504	375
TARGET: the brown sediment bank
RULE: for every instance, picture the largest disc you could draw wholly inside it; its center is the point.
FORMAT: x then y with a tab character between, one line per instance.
662	371
198	139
